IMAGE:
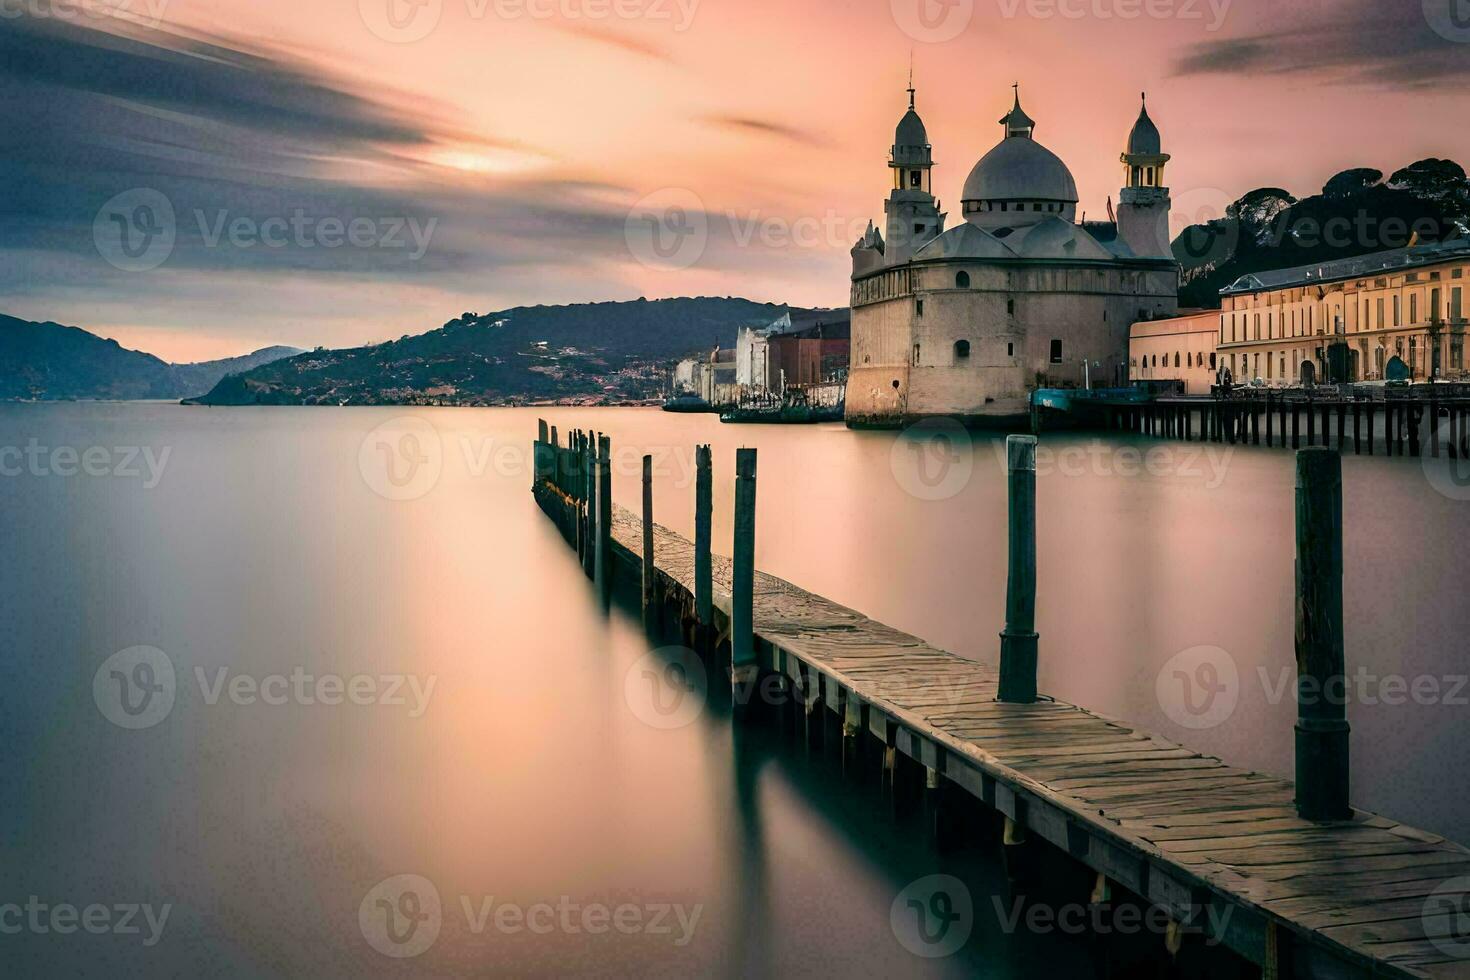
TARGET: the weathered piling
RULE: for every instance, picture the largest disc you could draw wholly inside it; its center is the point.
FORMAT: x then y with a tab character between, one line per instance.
1372	410
1269	416
1341	426
649	611
1296	425
1322	727
1311	424
743	664
703	534
589	482
540	453
1357	428
603	560
1019	640
1416	422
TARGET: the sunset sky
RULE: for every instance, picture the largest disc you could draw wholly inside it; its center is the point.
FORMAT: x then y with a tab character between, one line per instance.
492	151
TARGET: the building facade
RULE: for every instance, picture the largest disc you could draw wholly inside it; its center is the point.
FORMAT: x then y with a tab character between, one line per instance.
1283	327
966	322
1178	349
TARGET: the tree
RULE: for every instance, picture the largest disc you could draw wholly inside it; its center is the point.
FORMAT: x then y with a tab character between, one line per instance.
1351	183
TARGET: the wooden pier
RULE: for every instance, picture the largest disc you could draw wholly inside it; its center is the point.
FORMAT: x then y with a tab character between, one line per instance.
1423	421
1224	850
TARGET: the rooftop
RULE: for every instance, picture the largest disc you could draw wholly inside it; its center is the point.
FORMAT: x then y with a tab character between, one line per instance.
1363	265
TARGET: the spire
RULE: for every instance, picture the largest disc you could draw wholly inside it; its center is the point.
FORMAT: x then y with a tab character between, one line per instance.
1144	140
911	78
1016	122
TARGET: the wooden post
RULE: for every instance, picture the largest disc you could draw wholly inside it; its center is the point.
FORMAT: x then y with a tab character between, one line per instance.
1269	433
538	454
1416	424
1357	428
603	560
743	666
1326	424
1018	642
1311	424
1434	428
1255	424
1322	727
647	578
1281	417
703	517
1341	426
1296	425
1372	411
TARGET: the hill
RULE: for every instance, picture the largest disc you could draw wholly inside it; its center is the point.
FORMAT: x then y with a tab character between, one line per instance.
49	362
592	351
1357	213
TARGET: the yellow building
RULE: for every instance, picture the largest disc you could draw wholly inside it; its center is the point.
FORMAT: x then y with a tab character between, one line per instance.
1177	349
1282	327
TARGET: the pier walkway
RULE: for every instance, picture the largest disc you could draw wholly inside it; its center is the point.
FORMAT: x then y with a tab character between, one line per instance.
1359	898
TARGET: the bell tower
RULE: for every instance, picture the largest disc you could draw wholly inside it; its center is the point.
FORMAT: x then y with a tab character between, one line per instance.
1143	210
913	213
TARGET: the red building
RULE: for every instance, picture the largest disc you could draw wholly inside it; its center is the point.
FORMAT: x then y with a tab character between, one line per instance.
808	355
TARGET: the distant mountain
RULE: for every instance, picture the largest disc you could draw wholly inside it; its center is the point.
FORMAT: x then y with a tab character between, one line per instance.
48	362
1357	213
594	351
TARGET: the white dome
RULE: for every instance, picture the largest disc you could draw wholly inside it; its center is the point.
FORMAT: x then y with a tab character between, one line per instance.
1020	169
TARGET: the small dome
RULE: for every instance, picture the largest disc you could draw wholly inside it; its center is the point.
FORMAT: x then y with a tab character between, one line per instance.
1020	170
911	131
1144	140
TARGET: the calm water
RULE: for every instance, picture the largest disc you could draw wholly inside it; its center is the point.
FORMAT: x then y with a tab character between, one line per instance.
365	687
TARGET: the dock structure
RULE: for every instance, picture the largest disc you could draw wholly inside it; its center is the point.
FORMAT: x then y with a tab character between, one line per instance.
1226	852
1427	420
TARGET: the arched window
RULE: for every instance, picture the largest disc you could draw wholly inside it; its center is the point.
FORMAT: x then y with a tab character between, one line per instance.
962	281
961	348
1212	362
1176	358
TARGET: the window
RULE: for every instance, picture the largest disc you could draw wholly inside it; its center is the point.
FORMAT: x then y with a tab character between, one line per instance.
918	307
918	229
1413	308
1056	352
1398	310
962	281
916	178
1010	350
1010	307
1176	358
916	355
961	348
1212	362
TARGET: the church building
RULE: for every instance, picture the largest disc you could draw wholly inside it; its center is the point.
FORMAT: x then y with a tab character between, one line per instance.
967	322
